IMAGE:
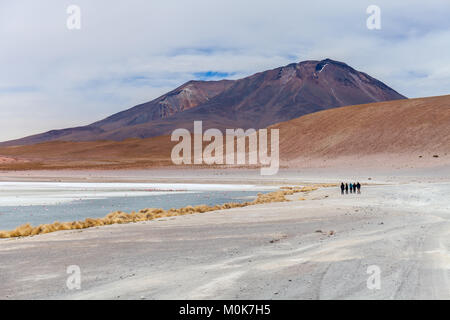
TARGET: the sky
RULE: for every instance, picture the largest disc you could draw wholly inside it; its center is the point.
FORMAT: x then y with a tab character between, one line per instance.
133	51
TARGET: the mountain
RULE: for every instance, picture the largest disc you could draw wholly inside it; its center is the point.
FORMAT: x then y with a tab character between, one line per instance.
412	132
256	102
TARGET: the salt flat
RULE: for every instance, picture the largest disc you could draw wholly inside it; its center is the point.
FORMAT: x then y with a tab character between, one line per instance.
319	248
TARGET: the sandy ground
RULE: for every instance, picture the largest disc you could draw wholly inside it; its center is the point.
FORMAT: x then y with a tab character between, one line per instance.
350	172
4	160
319	248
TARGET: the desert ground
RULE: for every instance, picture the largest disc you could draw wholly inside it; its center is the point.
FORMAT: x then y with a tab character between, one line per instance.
318	248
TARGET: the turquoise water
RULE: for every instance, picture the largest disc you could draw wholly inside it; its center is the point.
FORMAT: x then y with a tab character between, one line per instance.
12	216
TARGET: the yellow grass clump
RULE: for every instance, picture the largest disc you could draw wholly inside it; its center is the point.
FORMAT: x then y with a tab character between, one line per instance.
119	217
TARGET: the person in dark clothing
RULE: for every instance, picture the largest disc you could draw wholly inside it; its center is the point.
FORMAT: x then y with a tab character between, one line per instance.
358	186
342	188
346	188
351	187
354	187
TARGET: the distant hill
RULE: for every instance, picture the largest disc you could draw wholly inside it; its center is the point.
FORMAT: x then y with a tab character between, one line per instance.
412	132
256	101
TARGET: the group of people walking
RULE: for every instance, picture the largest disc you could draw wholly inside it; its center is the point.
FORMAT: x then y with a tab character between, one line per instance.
353	187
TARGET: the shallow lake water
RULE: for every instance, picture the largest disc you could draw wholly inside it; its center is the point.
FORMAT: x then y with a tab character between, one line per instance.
47	202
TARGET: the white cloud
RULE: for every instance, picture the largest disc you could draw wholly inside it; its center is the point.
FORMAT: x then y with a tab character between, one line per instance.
130	52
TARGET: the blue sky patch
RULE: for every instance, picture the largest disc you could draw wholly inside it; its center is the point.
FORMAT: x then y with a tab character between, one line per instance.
212	75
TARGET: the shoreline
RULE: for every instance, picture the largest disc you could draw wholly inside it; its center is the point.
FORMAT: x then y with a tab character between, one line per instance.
148	214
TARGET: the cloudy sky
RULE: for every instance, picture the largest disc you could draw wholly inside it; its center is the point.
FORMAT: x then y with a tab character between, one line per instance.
132	51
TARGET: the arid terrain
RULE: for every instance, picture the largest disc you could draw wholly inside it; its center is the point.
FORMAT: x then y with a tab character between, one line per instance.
401	133
319	247
207	150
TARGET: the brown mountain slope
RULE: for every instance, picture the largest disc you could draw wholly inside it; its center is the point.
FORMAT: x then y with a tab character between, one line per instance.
411	130
256	101
131	153
185	97
404	130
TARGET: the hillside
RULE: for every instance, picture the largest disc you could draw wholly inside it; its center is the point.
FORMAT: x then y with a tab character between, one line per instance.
408	132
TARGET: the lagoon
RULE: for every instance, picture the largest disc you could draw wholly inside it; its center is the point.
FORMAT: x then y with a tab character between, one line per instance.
46	202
